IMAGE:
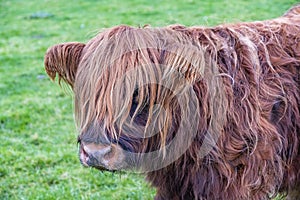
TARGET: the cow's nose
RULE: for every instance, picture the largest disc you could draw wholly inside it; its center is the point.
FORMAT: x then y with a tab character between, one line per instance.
100	156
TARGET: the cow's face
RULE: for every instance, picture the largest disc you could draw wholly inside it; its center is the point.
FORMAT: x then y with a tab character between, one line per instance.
135	102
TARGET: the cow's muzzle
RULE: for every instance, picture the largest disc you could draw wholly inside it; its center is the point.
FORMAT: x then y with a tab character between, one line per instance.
103	157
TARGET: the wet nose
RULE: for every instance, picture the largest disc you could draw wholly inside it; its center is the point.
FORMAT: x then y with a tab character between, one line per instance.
97	149
97	155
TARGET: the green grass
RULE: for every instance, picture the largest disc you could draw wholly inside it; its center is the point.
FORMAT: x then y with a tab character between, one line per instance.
38	151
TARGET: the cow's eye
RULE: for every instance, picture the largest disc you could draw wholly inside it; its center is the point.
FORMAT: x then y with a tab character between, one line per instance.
139	110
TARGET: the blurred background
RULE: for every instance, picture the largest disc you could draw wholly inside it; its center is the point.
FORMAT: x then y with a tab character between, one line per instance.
38	149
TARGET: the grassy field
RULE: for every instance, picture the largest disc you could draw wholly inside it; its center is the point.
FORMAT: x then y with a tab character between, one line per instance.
38	151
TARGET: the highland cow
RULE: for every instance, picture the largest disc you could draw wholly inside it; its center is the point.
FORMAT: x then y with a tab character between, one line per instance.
204	112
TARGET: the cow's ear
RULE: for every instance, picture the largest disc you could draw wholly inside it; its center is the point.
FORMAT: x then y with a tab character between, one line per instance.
293	12
63	59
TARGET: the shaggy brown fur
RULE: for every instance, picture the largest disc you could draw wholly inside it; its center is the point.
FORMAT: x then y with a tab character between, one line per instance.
247	82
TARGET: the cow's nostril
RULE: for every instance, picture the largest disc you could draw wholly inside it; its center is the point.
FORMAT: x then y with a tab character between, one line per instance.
105	151
84	156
